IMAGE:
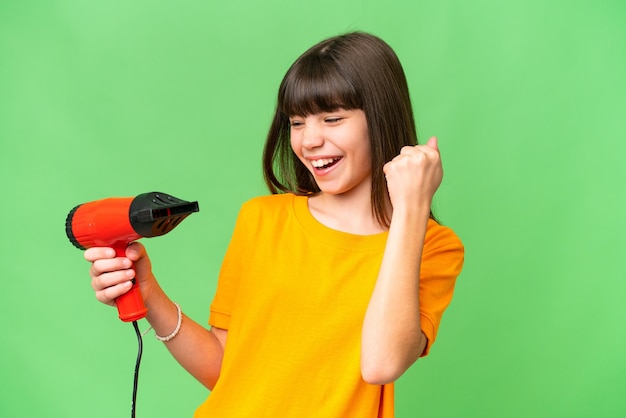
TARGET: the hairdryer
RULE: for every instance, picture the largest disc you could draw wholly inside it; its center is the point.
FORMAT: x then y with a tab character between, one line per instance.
116	222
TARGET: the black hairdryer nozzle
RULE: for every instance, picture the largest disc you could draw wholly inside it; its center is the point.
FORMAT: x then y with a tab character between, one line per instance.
154	214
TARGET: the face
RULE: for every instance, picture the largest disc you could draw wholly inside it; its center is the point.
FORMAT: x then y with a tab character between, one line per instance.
334	146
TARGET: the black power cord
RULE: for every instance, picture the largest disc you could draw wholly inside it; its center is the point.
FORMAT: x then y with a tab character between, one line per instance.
137	364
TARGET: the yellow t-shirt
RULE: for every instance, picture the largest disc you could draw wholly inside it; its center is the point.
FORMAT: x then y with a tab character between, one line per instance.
292	294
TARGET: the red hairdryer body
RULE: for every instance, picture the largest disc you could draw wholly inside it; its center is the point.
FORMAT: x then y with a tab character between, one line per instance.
116	222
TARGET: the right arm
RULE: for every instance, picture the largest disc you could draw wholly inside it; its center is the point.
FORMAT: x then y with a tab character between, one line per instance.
198	350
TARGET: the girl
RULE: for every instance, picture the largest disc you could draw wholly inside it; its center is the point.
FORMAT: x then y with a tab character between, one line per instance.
335	284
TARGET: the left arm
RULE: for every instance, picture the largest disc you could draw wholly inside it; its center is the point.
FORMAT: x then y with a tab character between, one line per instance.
392	338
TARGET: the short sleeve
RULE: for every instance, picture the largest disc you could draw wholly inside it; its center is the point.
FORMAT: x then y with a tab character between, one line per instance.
228	281
442	261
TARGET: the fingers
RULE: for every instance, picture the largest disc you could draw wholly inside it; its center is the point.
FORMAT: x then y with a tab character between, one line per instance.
108	294
432	144
414	175
111	276
97	253
420	155
101	266
133	252
106	273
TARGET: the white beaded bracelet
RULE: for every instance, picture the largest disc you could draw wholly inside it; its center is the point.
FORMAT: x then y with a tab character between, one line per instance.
175	333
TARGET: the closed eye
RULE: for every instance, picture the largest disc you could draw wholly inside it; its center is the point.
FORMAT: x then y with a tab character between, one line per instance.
333	120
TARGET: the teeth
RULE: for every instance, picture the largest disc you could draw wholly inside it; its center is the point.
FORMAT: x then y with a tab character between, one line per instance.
322	162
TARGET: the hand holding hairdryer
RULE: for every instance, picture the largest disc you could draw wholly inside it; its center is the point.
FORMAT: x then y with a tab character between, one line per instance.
116	222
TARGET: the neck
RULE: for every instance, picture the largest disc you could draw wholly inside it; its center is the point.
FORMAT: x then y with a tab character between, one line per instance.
345	212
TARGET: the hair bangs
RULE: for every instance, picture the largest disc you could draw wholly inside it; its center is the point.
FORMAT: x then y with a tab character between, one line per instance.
315	86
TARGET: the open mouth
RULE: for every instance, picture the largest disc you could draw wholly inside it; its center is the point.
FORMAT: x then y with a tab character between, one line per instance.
324	163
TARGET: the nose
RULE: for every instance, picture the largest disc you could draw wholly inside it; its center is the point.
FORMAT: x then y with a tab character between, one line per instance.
312	135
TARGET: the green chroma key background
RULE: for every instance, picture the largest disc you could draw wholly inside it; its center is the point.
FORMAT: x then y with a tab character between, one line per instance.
116	98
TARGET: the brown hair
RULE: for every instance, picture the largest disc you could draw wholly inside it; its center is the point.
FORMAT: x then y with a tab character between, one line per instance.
351	71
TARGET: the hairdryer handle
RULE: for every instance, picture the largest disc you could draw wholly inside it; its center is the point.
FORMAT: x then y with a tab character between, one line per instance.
130	305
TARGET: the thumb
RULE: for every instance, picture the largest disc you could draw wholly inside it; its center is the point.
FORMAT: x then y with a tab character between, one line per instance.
135	251
432	142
